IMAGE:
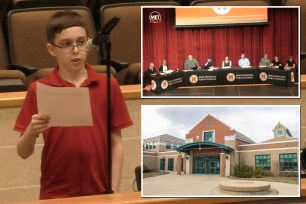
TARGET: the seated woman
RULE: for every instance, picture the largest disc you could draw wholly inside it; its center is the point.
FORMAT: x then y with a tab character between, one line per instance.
226	62
277	63
290	64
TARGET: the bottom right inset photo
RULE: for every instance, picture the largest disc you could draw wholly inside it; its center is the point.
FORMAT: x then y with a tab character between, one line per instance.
220	151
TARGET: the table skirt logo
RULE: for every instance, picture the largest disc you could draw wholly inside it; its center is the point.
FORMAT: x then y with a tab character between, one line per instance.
230	77
164	84
263	76
292	77
153	85
155	17
193	79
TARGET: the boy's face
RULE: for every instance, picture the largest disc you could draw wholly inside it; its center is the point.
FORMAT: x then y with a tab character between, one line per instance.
68	55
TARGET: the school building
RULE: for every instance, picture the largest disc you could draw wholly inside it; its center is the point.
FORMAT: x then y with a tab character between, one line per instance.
213	147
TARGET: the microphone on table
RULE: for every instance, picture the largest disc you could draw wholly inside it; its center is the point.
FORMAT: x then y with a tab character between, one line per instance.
93	44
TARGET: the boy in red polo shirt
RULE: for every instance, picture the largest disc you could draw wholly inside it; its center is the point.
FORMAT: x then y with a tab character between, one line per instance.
74	159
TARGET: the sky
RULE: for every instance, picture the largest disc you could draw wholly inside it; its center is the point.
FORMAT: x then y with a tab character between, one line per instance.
256	122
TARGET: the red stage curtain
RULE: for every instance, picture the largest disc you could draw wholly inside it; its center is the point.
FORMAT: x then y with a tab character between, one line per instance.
164	41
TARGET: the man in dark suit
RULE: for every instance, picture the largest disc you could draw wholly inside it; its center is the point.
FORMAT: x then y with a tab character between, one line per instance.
163	67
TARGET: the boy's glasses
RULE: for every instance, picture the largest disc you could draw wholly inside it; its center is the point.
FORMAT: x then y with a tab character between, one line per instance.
69	47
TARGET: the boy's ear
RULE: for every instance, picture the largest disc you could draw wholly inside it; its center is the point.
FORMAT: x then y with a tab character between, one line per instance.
51	49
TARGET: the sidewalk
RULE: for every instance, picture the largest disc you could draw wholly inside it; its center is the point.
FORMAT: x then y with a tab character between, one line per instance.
203	185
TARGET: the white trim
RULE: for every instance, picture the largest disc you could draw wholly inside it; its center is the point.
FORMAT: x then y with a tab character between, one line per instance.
230	138
258	150
161	156
167	152
268	143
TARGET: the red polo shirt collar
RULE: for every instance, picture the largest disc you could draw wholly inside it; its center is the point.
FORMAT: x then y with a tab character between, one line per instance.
57	80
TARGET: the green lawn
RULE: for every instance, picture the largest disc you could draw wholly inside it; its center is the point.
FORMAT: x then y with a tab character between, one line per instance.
154	173
291	180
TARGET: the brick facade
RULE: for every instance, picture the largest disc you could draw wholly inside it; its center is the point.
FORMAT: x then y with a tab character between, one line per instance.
207	124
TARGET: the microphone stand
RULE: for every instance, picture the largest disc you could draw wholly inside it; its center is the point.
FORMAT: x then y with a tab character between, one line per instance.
103	38
107	44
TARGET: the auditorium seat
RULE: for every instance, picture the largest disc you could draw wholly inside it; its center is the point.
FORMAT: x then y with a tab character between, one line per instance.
27	38
230	3
129	75
126	36
10	80
302	5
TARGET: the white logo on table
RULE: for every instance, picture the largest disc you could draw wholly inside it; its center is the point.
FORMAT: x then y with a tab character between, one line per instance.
164	84
230	77
153	85
263	76
193	79
221	10
292	77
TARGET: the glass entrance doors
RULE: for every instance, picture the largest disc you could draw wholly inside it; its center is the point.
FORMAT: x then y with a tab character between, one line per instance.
206	165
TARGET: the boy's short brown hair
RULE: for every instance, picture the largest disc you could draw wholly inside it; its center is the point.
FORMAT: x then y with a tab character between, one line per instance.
62	20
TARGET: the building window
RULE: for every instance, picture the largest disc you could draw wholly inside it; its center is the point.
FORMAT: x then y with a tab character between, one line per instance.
154	146
280	133
208	122
147	146
288	162
168	145
170	164
264	161
174	146
150	145
162	164
208	136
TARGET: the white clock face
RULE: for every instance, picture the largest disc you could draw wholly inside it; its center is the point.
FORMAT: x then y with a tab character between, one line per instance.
280	132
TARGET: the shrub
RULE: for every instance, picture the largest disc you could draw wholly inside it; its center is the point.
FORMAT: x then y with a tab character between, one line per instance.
268	174
259	171
244	171
146	169
289	174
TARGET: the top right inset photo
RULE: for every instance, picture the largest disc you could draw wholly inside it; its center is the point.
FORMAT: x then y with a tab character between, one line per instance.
221	52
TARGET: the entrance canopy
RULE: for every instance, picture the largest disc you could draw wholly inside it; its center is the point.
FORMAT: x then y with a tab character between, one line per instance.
196	145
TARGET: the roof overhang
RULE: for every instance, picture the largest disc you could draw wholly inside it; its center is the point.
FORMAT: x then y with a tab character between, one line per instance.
196	145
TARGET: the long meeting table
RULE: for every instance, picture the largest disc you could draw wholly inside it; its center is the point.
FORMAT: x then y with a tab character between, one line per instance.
230	76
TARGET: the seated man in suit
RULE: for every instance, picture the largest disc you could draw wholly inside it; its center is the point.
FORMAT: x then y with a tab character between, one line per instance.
149	73
191	63
163	67
209	64
276	63
244	62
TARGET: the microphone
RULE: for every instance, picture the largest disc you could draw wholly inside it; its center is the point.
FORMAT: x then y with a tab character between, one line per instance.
93	44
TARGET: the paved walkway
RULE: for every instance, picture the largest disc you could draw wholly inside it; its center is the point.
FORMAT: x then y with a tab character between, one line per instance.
202	185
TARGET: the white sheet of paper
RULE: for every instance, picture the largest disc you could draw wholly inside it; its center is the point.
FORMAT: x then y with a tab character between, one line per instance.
66	106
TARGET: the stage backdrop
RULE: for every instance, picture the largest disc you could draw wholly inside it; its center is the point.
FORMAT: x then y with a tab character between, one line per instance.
161	40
